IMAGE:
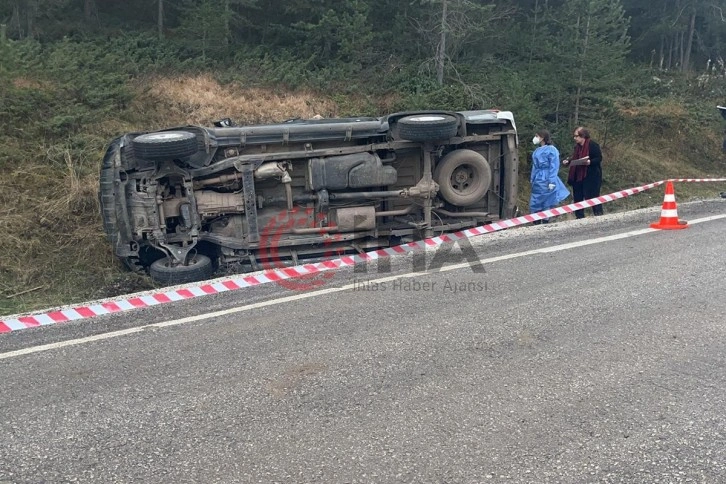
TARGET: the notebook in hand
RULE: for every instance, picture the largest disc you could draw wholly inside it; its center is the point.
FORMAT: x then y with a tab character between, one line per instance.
580	161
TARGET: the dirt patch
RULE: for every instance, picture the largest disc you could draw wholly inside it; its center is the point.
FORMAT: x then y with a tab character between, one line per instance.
294	377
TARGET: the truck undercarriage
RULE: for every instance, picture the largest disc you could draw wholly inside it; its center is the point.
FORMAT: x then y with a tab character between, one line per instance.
181	202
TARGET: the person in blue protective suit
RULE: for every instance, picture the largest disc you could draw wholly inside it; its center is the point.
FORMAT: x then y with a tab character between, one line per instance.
547	188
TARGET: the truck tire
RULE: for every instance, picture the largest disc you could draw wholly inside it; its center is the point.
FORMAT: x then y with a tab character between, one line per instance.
165	145
463	176
427	127
200	268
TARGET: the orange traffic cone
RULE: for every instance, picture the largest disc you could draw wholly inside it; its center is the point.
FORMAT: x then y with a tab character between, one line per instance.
669	212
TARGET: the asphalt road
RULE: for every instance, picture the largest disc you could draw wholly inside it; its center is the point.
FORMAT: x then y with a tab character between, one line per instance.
583	351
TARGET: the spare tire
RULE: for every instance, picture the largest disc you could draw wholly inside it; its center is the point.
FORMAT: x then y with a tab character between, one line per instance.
165	145
463	176
165	272
428	127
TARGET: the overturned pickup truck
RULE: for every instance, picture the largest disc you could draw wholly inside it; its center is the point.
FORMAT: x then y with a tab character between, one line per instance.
181	202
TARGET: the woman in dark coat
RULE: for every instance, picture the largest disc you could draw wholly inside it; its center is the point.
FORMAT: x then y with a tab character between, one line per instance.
585	179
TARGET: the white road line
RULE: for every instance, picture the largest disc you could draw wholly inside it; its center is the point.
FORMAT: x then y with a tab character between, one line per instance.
330	290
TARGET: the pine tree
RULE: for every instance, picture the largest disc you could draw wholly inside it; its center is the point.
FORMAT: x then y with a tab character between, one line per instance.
591	47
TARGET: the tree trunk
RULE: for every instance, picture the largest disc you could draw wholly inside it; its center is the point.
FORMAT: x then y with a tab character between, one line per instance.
581	69
681	50
441	53
160	19
30	12
204	45
227	15
663	43
534	32
15	21
689	44
89	8
677	45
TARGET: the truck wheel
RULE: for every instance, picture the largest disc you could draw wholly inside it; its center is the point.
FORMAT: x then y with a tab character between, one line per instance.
463	177
199	268
428	127
165	144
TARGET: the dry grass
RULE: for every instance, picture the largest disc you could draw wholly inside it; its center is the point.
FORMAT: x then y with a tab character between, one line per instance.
25	83
669	109
53	246
201	100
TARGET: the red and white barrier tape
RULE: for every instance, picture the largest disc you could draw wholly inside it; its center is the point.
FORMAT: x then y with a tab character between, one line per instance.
276	275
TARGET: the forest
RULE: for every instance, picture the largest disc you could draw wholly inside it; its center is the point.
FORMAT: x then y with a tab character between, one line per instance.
644	76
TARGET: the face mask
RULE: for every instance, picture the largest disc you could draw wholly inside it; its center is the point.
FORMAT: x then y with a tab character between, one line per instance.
536	140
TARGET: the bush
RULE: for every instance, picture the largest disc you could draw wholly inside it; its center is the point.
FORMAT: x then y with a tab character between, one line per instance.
73	84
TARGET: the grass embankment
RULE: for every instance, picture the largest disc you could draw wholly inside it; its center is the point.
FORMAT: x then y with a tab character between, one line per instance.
53	250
